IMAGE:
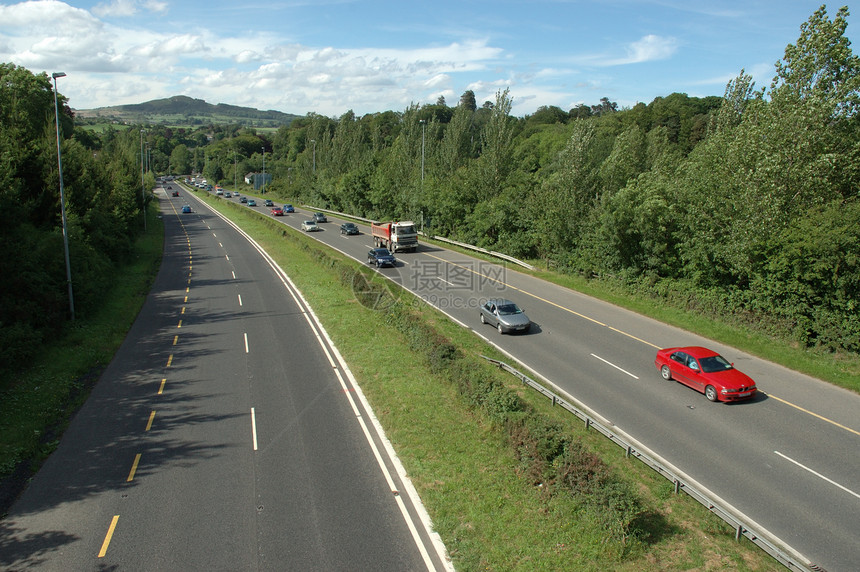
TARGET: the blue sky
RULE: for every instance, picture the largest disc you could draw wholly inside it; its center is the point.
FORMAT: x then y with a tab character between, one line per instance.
332	56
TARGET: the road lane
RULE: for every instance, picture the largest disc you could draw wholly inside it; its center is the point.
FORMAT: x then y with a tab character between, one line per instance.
727	448
158	470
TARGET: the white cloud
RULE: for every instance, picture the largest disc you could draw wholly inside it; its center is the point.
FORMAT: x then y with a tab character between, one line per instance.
121	8
646	49
127	8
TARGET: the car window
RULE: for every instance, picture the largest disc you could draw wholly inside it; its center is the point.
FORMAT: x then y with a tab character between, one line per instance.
715	363
692	363
509	309
680	357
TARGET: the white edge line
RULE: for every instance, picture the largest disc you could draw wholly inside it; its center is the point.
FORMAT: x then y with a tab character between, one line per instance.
817	474
254	427
438	545
615	366
246	342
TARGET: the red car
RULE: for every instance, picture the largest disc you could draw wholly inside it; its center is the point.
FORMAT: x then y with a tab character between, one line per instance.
277	211
706	371
175	193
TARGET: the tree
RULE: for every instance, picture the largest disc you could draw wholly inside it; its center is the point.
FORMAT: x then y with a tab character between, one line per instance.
604	107
495	161
468	101
180	160
821	64
739	92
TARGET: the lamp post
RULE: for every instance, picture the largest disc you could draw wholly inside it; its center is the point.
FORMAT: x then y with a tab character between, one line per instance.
235	171
142	183
55	75
423	126
314	141
263	185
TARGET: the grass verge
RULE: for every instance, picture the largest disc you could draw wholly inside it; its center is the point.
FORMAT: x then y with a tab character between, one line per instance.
36	406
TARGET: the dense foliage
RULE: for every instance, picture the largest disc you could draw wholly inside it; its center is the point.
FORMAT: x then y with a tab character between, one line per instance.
103	196
743	207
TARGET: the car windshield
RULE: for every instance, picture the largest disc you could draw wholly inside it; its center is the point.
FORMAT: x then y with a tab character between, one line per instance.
508	309
382	252
404	230
714	363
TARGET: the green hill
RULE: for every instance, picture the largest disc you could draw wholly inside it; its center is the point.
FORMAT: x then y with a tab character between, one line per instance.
184	110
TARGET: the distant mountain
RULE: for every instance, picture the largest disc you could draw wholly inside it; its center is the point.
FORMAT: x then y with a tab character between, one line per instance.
181	109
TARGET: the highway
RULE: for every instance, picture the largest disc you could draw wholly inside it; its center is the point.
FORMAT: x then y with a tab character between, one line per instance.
788	459
226	434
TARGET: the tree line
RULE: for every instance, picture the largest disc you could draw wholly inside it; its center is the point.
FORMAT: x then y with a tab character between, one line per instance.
743	206
104	198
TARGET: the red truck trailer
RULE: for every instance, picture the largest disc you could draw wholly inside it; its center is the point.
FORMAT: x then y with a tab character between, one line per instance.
395	236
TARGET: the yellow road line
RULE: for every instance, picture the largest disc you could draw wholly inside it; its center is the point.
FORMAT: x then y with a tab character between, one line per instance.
550	302
108	536
161	387
799	408
149	423
623	333
133	468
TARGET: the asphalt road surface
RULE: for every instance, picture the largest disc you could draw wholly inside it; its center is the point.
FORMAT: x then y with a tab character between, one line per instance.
226	434
789	459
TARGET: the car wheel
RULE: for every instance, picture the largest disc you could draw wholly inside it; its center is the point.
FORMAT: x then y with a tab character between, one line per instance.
711	393
499	327
666	373
483	320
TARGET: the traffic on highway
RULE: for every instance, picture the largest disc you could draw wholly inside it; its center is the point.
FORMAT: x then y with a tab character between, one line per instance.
769	441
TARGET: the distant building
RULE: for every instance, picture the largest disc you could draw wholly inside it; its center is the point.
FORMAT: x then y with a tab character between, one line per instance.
258	179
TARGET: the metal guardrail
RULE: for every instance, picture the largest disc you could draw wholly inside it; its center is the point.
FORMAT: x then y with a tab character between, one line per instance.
485	251
740	522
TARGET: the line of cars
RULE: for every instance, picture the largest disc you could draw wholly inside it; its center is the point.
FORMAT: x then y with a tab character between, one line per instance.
697	367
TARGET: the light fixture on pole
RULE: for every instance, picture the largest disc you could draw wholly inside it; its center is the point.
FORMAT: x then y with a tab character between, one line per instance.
55	75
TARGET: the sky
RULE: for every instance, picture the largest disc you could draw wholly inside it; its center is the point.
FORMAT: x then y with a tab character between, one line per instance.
332	56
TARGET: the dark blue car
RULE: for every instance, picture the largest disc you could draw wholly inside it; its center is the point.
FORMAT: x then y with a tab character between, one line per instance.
381	257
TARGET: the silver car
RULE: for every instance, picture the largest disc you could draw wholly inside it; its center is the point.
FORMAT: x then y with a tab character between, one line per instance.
310	226
505	315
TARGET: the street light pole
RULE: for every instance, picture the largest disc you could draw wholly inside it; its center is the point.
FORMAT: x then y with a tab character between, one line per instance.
314	141
142	183
423	125
55	75
263	186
